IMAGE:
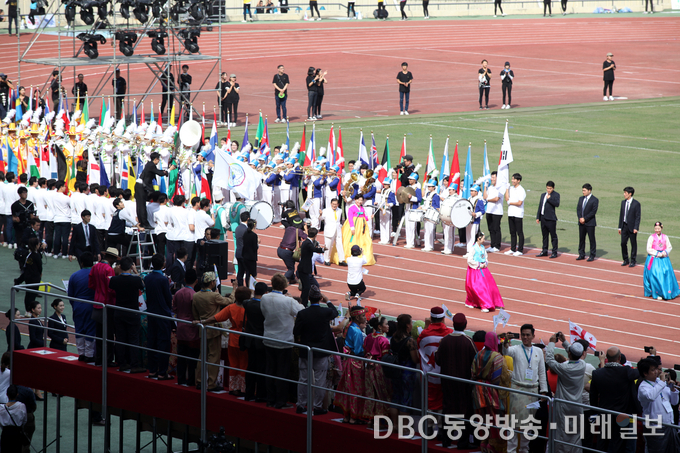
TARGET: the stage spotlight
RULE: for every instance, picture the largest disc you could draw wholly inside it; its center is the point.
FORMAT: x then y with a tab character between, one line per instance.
90	43
125	9
86	14
189	37
158	40
141	10
157	9
126	40
70	13
102	10
197	10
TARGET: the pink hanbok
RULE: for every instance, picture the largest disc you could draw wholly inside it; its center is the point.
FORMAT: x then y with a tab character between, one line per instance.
480	286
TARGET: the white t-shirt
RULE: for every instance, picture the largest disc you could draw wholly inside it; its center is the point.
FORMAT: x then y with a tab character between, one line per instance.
77	206
355	269
91	204
10	195
160	219
39	202
31	193
516	194
201	222
62	208
105	209
494	207
178	225
49	202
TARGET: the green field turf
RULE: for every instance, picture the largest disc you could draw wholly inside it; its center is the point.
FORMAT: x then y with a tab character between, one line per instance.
609	145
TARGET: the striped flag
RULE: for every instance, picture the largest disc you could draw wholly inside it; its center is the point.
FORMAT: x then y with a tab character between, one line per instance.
374	154
454	177
341	152
446	165
330	149
363	155
310	155
385	164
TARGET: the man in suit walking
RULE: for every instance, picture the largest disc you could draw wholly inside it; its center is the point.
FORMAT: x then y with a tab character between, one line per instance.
84	238
305	268
629	224
238	253
586	209
548	219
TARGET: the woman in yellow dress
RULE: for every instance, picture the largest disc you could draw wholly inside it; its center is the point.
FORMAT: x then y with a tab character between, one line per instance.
355	231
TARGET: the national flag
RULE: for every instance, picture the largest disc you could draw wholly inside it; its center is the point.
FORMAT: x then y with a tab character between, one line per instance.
430	167
31	104
54	164
162	186
134	112
288	135
454	177
33	169
93	171
374	154
18	111
65	119
132	174
385	163
160	117
310	155
85	116
402	153
330	149
62	168
4	151
204	192
47	106
176	183
202	127
264	141
102	112
486	173
245	135
171	120
468	179
141	115
103	177
151	119
363	155
504	161
124	175
180	120
577	333
260	130
341	152
44	159
445	169
302	154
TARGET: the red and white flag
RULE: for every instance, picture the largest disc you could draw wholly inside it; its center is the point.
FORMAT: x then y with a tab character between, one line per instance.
577	333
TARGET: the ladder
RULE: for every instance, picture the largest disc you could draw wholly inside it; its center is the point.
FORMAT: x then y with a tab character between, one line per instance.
138	255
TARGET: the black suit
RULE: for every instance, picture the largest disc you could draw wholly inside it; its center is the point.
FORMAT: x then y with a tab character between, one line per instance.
176	272
305	267
588	225
57	336
144	188
249	255
548	219
78	242
256	387
629	224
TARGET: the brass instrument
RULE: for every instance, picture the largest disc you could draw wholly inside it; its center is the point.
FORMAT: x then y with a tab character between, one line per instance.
349	189
383	195
404	194
370	180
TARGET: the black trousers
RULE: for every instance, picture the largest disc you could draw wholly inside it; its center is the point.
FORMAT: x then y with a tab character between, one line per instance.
350	7
549	227
625	236
590	231
118	241
98	318
48	234
278	365
160	241
564	6
186	368
314	5
127	327
317	107
29	298
140	199
381	5
167	99
497	4
357	289
547	4
250	270
14	18
516	234
484	91
101	237
402	5
493	222
507	87
232	110
256	386
61	232
397	214
426	13
311	103
241	271
306	280
647	2
119	106
224	111
158	337
287	257
608	84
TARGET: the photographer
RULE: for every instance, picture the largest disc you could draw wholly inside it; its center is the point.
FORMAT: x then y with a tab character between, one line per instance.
5	86
23	211
657	395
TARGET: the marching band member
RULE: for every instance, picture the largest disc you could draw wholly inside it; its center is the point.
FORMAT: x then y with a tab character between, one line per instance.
472	229
431	200
316	187
355	231
387	202
414	204
449	230
332	233
396	209
332	183
292	177
273	180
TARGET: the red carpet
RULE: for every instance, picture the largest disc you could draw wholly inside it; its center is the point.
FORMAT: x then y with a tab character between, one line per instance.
166	400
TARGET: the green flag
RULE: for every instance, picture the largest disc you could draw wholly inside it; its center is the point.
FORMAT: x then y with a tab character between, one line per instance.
103	113
86	112
260	132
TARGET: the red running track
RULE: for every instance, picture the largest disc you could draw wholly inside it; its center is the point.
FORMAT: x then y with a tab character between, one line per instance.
602	297
556	61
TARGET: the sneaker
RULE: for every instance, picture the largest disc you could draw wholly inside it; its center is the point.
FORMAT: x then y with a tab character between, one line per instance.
485	310
503	106
408	247
507	107
311	118
503	14
469	306
518	254
509	252
466	255
319	117
486	107
605	98
383	243
447	252
48	254
611	98
481	108
405	112
401	113
4	244
234	124
393	234
277	120
645	12
244	21
347	296
461	244
427	250
56	257
494	15
65	257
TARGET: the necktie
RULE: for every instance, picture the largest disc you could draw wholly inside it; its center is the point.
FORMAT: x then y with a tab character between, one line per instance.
585	201
336	215
87	235
625	213
545	198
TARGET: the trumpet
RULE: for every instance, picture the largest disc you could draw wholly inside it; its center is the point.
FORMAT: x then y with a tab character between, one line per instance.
370	180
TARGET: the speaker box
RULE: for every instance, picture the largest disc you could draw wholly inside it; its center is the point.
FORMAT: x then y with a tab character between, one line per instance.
216	253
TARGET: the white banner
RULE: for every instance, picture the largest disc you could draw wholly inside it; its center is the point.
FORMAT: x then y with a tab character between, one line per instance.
235	175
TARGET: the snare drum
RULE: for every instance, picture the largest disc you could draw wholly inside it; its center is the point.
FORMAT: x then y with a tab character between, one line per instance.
415	215
431	215
262	212
462	213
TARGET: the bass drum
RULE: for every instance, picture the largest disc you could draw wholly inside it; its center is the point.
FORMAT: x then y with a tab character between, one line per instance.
462	213
445	210
262	212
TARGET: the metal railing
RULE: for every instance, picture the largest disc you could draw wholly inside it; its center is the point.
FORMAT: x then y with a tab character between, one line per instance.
420	376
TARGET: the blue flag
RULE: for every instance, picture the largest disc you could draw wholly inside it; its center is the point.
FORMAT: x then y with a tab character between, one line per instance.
468	178
103	177
287	137
486	173
245	135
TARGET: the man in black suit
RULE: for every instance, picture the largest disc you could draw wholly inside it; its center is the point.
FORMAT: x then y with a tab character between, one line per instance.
305	268
256	387
144	187
547	218
313	327
613	387
629	224
84	238
178	271
238	253
586	209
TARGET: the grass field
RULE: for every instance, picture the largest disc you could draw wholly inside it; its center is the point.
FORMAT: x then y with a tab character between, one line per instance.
609	145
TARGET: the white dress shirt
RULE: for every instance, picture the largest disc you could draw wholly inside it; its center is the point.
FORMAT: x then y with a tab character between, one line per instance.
656	399
10	195
279	318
